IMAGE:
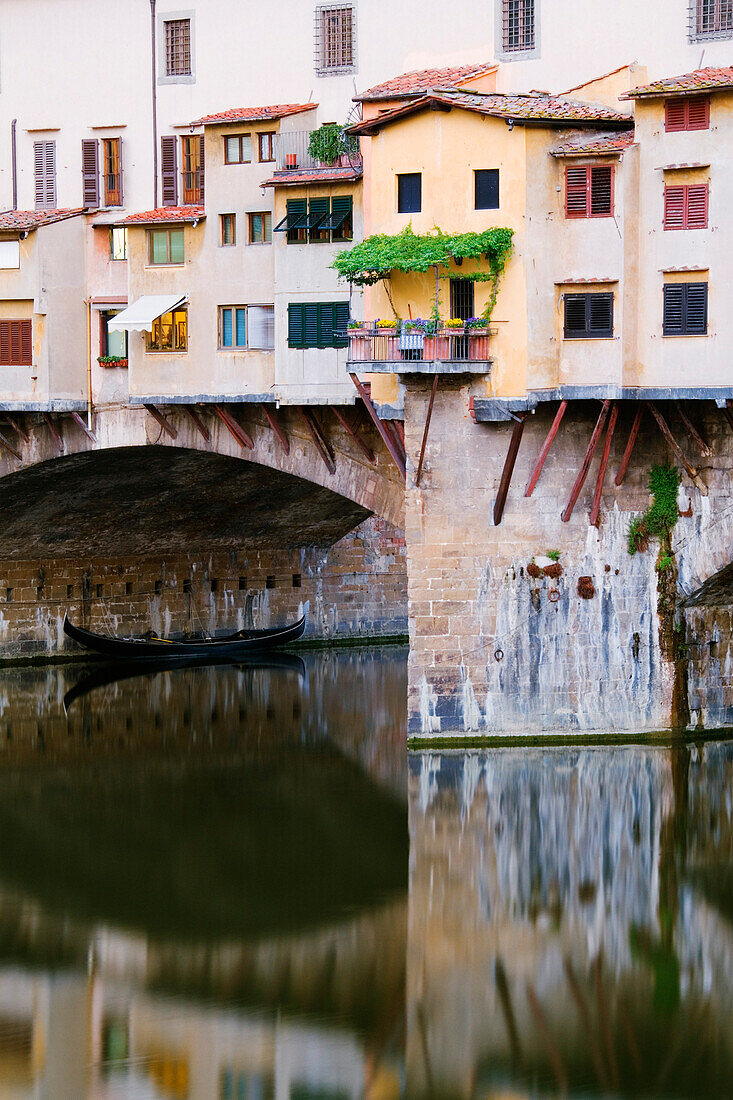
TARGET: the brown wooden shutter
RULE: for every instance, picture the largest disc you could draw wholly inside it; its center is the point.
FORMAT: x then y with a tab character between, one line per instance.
576	192
89	174
4	343
44	167
674	115
696	214
120	144
16	344
200	172
168	171
674	207
26	343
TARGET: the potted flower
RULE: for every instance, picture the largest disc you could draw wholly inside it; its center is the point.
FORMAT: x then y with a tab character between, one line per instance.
477	326
454	325
112	360
385	326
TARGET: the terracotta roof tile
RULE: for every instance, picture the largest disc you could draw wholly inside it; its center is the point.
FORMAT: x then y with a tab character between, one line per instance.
166	214
701	80
255	114
533	107
419	80
583	143
34	219
313	175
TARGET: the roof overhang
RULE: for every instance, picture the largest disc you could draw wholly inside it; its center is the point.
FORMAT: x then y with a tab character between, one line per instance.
140	315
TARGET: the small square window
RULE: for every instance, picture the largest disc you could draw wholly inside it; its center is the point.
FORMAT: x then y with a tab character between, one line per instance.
233	327
260	228
409	193
685	310
238	149
486	188
266	143
228	229
170	332
588	316
177	47
166	246
118	243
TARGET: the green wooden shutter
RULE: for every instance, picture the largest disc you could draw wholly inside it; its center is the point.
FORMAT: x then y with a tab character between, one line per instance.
311	324
296	208
340	324
295	326
342	217
318	210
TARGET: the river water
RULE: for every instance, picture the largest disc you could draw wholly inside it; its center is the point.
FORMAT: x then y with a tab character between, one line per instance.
235	884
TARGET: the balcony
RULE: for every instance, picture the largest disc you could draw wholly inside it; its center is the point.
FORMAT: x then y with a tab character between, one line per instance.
291	153
449	351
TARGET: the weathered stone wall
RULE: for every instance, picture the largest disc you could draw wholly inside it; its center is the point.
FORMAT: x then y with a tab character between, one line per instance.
494	650
356	588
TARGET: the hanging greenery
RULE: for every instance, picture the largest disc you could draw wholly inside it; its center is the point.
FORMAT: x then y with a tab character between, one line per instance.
327	143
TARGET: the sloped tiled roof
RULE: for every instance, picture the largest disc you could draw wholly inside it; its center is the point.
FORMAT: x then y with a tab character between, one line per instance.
166	214
312	175
701	80
532	107
25	220
419	80
582	143
255	114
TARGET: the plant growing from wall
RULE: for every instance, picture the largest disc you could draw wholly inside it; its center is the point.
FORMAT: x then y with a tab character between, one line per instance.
660	517
327	143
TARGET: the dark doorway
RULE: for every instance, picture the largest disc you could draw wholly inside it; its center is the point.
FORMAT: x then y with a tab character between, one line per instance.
461	305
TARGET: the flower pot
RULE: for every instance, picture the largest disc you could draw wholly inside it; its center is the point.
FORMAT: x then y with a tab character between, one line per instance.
291	161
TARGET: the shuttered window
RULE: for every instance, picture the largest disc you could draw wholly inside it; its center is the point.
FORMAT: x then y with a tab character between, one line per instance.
44	168
318	213
89	174
318	325
518	25
192	169
168	171
686	206
335	39
685	309
589	191
409	193
486	188
112	171
588	316
687	113
16	344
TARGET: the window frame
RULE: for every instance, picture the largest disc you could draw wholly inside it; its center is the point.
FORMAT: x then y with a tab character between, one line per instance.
348	62
112	230
106	315
168	230
720	9
669	219
405	176
238	138
247	345
169	20
23	340
112	191
223	220
528	41
686	103
250	234
150	345
192	168
587	332
588	211
320	342
481	172
684	330
270	135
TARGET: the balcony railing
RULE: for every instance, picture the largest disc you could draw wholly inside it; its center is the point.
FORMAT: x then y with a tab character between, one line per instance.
449	350
291	152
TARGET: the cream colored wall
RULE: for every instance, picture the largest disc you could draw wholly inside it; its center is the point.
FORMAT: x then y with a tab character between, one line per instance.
107	279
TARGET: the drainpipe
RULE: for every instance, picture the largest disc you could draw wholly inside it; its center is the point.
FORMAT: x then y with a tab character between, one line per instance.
88	303
13	162
155	105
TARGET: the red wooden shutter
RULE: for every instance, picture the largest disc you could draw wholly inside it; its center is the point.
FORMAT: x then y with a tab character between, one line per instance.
674	207
4	343
696	214
26	343
89	174
601	189
674	115
168	171
698	113
200	172
576	192
16	348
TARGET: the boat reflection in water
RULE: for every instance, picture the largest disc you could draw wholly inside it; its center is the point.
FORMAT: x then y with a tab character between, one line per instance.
570	922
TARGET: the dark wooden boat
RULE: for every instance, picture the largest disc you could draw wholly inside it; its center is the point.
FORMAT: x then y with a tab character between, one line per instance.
232	647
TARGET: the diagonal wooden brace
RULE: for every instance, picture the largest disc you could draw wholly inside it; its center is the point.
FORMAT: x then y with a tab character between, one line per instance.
195	416
322	444
165	424
276	427
366	451
585	465
235	429
386	437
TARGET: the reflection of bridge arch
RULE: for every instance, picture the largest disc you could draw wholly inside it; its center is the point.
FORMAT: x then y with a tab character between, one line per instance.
333	454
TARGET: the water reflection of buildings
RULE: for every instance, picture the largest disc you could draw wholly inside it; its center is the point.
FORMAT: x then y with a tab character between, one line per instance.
565	933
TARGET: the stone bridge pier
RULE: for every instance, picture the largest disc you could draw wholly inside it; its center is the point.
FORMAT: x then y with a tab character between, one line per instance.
500	647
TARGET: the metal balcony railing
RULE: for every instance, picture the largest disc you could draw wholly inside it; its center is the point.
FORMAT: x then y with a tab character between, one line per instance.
414	351
291	153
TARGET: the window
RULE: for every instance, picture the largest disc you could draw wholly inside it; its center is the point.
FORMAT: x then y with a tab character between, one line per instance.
588	316
517	25
247	327
318	220
687	113
117	243
238	149
340	223
260	228
44	168
409	193
112	171
9	254
16	344
685	309
486	188
168	171
228	223
177	47
266	142
686	206
589	191
318	325
335	37
166	246
192	169
111	343
170	332
711	19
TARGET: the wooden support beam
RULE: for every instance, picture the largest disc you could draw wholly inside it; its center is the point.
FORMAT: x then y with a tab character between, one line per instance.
705	448
506	475
165	424
54	434
366	451
424	443
201	428
399	427
277	429
391	426
9	447
80	421
386	437
322	444
596	506
664	429
537	468
585	465
727	413
18	424
630	445
234	429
